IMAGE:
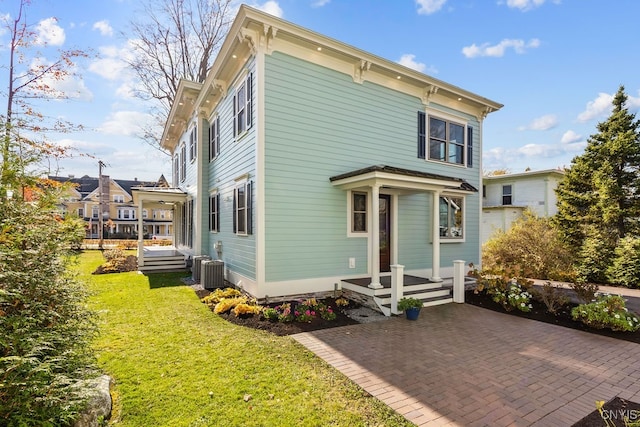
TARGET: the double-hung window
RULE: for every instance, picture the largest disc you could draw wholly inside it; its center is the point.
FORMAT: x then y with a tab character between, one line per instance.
193	144
242	106
214	138
451	217
214	212
444	140
176	168
183	162
359	212
507	195
242	209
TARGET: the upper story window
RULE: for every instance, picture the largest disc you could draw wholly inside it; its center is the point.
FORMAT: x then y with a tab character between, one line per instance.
183	162
94	212
242	106
176	168
193	143
126	213
242	209
81	212
445	140
145	213
507	195
451	217
118	198
214	138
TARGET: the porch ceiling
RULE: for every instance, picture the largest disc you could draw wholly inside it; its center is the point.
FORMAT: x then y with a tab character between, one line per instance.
392	177
158	195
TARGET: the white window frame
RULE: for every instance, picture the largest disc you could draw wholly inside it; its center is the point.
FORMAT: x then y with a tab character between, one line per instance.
510	194
81	212
118	198
448	119
193	143
183	162
454	239
241	185
95	211
350	212
243	106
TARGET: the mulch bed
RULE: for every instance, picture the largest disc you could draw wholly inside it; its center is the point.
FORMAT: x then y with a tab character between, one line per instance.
289	328
614	410
540	313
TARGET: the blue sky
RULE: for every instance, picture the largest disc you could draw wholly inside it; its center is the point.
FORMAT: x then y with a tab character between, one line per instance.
554	64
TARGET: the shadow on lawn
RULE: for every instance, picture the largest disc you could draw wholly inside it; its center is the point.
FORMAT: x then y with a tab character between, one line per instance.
165	280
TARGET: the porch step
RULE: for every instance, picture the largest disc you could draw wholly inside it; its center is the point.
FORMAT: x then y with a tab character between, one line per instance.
163	263
430	294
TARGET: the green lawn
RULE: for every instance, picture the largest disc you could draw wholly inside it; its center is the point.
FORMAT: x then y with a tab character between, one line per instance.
176	363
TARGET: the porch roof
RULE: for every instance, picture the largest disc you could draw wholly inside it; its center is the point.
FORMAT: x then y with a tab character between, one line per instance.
158	194
390	176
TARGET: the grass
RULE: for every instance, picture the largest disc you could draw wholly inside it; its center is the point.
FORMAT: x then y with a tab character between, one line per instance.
175	363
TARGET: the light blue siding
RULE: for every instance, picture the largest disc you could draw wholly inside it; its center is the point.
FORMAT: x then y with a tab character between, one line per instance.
319	123
235	159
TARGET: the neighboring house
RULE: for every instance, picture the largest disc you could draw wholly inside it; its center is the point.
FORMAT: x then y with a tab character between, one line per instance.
306	162
120	215
505	198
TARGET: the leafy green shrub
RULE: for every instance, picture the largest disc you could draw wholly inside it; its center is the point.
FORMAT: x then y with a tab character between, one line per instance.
513	297
625	269
552	296
45	328
608	312
270	313
505	288
532	246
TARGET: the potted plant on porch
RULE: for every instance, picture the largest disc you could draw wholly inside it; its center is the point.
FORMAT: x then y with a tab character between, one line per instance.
411	307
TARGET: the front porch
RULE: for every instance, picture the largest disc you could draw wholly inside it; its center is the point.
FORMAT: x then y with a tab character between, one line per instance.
160	258
398	285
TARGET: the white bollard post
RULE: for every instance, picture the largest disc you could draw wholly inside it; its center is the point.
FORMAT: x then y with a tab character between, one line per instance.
397	283
458	281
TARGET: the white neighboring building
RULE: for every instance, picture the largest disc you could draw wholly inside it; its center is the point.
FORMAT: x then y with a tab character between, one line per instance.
505	197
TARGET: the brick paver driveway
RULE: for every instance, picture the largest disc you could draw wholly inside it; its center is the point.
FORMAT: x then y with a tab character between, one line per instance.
468	366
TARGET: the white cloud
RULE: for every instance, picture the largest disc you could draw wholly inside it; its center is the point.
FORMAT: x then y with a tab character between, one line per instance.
112	66
597	107
542	123
569	137
541	154
320	3
271	7
104	28
408	60
125	123
527	5
498	50
427	7
49	32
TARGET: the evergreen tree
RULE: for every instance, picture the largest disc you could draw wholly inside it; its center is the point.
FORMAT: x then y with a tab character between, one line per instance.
601	189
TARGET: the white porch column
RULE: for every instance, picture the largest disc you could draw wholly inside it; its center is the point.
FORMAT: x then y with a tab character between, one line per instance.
458	281
374	235
397	286
140	235
435	271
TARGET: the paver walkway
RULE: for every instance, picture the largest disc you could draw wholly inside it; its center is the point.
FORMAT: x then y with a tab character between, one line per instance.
462	365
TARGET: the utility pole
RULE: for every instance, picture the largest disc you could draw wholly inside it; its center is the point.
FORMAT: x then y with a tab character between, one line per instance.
100	206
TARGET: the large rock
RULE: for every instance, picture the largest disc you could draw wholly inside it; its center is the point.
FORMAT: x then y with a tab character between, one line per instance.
99	403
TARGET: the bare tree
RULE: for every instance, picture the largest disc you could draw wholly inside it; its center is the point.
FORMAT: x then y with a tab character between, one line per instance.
176	39
32	79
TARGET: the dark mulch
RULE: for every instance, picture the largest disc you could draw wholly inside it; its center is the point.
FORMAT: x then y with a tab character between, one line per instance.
614	412
289	328
540	313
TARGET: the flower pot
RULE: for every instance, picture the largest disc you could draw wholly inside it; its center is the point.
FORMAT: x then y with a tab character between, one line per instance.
412	313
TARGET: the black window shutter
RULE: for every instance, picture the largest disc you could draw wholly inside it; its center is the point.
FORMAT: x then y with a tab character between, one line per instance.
235	210
217	135
422	135
469	146
249	209
235	116
217	201
249	104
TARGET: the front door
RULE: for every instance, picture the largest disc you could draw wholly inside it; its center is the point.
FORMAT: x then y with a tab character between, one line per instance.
385	232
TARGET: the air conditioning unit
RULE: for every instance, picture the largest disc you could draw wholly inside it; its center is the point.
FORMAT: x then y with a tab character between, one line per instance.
212	273
195	266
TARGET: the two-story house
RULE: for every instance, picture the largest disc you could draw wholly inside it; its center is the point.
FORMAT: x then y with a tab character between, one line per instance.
505	198
119	214
307	164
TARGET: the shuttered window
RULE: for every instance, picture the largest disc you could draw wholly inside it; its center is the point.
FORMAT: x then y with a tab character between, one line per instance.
242	212
214	138
243	107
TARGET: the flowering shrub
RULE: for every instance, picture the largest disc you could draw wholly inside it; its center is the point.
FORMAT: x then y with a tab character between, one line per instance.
246	309
513	297
342	302
227	304
304	311
609	312
304	314
214	297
